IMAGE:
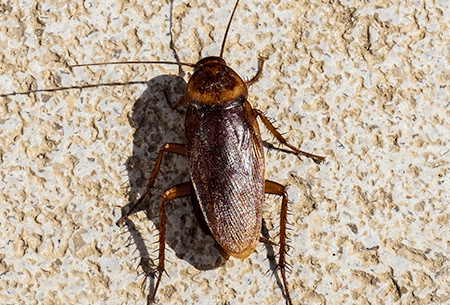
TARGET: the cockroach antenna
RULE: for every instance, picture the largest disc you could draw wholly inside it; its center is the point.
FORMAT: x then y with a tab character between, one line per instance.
133	62
228	28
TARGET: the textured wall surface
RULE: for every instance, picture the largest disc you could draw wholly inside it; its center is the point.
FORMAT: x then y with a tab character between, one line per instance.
364	83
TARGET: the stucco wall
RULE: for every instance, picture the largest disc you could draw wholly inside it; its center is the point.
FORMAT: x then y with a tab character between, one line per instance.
364	83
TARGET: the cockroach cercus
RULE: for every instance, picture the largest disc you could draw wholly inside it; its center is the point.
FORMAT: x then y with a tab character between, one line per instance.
225	156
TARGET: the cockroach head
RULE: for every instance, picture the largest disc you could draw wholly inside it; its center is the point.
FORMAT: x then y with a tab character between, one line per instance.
214	83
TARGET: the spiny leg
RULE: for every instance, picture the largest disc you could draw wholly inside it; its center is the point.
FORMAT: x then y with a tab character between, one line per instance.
258	73
267	241
282	140
178	149
177	191
280	190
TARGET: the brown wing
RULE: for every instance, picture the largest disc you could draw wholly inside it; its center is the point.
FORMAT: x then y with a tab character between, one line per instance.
226	164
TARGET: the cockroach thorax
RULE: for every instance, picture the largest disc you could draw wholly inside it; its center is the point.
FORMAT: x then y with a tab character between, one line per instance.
214	83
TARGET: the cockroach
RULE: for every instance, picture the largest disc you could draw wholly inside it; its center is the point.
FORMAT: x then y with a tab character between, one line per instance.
225	156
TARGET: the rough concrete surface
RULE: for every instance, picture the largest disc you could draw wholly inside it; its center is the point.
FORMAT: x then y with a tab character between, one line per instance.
364	83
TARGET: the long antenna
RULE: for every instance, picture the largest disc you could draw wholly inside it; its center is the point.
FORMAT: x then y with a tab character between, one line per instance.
228	27
73	88
134	62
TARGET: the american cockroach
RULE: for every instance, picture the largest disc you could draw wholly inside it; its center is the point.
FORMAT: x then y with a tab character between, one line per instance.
225	156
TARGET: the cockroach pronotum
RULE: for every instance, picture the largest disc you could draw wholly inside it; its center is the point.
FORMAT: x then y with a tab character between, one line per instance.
225	156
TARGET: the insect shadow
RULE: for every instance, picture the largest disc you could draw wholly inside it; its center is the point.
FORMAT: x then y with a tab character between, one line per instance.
155	123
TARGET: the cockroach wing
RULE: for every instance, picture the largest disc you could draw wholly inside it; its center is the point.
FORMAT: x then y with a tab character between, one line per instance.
226	165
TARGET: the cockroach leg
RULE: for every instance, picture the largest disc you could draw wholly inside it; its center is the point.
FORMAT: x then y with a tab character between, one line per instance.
280	190
174	148
282	140
177	191
267	241
258	73
173	106
179	102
